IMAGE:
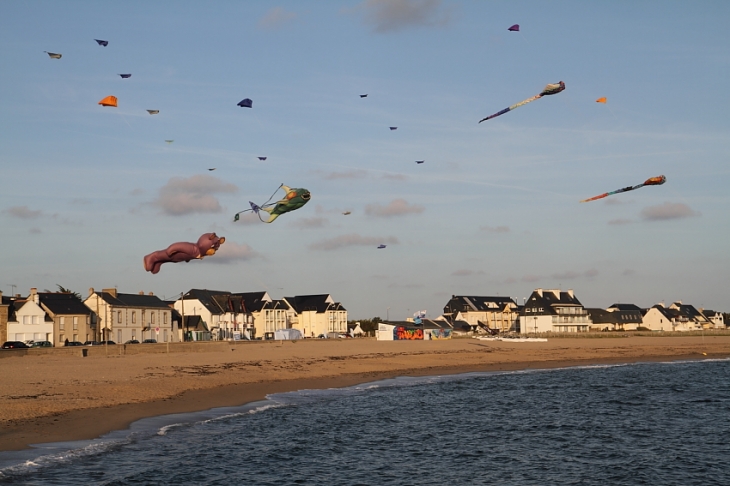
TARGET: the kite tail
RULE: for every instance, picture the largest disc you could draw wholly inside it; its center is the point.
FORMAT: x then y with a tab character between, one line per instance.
272	216
513	107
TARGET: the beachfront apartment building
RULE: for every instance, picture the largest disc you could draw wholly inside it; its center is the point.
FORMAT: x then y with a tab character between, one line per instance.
483	313
716	318
124	317
316	315
553	311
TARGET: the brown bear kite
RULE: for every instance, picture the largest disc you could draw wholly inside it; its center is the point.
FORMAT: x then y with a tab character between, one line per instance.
183	251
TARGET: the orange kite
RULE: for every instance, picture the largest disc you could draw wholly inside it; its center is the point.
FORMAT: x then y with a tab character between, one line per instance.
109	101
601	100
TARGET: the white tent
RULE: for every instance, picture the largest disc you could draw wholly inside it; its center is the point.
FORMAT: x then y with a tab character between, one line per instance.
287	334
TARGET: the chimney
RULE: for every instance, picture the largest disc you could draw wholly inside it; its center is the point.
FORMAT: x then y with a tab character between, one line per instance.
151	293
570	292
1	296
33	295
91	291
538	292
141	292
112	292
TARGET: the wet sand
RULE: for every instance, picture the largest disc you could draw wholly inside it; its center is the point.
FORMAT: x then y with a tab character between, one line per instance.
59	397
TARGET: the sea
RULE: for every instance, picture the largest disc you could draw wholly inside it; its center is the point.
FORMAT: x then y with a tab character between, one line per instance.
647	423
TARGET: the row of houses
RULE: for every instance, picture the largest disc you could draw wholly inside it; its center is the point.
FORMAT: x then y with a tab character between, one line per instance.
199	314
561	311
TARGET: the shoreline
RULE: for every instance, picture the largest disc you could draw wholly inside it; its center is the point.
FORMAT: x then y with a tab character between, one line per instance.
67	398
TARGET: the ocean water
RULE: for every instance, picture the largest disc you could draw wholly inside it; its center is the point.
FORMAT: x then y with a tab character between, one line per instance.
650	423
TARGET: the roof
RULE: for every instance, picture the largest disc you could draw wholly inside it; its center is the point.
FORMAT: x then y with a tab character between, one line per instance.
194	323
10	302
133	300
550	300
319	303
59	303
222	301
467	303
625	307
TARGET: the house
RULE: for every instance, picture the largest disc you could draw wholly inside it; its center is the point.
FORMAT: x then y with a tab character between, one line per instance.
7	313
315	315
72	320
123	317
693	315
32	323
553	310
627	317
716	318
676	317
484	314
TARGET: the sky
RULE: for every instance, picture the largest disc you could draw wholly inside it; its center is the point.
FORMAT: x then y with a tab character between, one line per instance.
494	209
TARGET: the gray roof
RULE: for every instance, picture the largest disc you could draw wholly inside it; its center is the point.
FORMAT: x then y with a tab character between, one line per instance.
318	303
133	300
63	303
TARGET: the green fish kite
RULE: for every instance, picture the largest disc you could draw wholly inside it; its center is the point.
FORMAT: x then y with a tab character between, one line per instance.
293	199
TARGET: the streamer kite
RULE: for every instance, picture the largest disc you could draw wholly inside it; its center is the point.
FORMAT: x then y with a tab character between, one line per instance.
602	100
246	103
653	181
550	89
53	55
153	112
109	101
292	200
514	28
125	76
102	42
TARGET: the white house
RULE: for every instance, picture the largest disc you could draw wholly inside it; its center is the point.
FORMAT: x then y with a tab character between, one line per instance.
553	311
316	315
32	323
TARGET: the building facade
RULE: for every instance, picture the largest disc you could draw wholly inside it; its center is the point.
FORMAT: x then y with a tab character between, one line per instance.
553	311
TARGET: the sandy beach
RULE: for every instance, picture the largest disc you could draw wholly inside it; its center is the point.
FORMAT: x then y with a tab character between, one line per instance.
57	397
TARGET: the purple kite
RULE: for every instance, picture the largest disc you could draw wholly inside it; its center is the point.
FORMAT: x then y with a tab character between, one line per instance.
183	251
125	76
246	103
550	89
514	28
102	42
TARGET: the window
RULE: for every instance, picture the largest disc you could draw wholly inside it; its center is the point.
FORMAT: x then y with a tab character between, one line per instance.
61	323
35	319
61	338
152	318
26	319
119	317
134	317
164	317
76	322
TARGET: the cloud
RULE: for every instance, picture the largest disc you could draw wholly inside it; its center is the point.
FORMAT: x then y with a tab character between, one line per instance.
569	275
276	18
349	174
23	212
620	221
495	229
192	195
34	231
394	177
405	286
393	15
80	200
230	252
305	223
618	201
531	278
465	272
353	239
136	192
668	211
397	207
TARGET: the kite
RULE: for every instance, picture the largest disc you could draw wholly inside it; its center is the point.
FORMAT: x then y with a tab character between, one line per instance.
212	168
109	101
102	42
380	247
394	128
420	161
262	158
183	251
125	76
347	213
293	199
53	55
169	141
153	112
514	28
653	181
363	95
245	103
550	89
601	100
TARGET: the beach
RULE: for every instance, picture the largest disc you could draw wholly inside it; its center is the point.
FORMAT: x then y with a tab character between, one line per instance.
60	397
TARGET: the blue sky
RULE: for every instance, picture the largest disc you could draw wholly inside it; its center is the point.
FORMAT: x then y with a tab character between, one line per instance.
88	191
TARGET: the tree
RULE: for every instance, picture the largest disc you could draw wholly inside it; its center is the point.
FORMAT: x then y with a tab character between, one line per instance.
368	326
64	290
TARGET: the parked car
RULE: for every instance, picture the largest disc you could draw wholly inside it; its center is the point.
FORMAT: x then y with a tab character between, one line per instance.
108	342
42	344
92	343
74	343
150	341
132	341
14	345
